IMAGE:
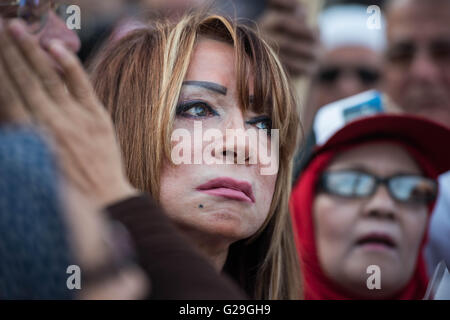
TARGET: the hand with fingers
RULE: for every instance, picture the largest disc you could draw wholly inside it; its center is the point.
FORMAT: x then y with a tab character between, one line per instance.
284	23
64	105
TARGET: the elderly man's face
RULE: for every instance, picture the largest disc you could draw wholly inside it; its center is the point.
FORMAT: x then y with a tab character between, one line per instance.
53	29
418	58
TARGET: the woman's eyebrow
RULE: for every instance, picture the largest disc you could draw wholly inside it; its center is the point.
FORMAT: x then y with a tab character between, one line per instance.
208	85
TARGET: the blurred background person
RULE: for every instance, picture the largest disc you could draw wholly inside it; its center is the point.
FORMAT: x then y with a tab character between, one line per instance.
417	77
364	199
45	23
98	19
350	59
417	69
350	62
284	23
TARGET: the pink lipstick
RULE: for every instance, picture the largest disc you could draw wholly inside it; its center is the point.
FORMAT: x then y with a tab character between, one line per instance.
228	188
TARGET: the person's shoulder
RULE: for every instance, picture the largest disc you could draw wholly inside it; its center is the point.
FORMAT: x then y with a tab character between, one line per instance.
444	182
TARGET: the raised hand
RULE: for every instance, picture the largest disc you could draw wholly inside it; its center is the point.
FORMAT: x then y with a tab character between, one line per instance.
285	24
64	105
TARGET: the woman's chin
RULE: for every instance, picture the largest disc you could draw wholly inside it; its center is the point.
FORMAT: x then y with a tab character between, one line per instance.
363	256
217	226
373	276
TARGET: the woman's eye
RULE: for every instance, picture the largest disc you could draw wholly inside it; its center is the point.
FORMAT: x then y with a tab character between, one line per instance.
266	125
263	123
195	110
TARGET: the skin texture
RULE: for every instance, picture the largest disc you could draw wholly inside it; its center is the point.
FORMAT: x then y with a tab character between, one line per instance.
340	222
220	221
421	84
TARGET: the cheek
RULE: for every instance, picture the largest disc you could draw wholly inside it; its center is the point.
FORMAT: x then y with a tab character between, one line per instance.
333	226
414	226
395	78
446	76
264	194
333	220
174	180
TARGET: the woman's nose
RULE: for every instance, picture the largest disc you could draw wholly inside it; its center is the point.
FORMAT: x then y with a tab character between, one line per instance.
381	204
56	29
236	144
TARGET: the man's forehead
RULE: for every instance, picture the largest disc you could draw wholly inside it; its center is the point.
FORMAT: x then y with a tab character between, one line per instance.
402	4
419	21
418	10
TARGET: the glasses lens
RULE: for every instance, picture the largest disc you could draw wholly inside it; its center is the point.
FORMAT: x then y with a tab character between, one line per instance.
60	10
401	54
349	183
368	76
413	189
328	75
34	13
440	50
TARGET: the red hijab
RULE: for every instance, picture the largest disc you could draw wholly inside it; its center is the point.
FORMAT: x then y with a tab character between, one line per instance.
317	286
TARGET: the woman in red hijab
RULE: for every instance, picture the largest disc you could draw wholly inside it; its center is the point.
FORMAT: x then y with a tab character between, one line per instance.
362	204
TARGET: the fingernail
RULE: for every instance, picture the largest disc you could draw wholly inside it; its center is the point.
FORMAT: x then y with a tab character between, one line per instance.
17	28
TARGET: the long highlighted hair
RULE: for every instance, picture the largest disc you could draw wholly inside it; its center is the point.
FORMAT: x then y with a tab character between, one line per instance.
139	79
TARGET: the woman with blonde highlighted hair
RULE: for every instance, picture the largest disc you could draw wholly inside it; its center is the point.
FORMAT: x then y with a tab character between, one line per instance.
209	72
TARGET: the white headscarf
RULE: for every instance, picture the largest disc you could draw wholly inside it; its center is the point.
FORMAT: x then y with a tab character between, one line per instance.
352	25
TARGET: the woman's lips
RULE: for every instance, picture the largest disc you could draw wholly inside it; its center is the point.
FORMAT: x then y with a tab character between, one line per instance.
377	241
228	188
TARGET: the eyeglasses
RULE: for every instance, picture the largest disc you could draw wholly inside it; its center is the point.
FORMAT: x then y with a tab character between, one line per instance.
367	76
403	53
33	12
357	184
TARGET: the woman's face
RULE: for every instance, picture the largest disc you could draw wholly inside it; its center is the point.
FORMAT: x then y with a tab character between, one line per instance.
222	203
341	224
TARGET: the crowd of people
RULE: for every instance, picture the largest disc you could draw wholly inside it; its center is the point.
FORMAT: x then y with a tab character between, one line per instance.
95	203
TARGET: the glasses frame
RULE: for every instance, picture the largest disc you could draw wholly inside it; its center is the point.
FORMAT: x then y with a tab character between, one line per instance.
43	17
322	185
366	75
